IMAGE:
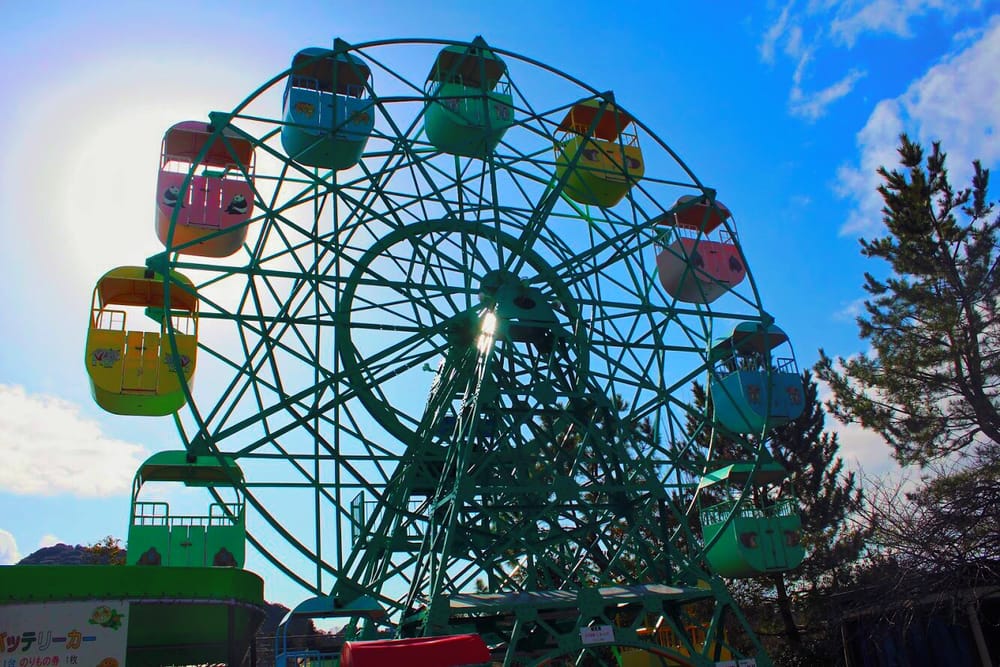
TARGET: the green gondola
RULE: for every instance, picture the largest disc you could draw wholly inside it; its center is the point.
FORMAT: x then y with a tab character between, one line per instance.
469	104
157	537
754	537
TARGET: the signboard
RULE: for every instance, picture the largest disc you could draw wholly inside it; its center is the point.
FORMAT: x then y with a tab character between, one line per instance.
597	634
64	634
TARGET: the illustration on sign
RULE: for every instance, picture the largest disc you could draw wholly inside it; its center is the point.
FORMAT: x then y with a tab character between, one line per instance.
106	617
106	357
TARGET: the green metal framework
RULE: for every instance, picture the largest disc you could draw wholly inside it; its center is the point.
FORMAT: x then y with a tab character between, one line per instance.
457	392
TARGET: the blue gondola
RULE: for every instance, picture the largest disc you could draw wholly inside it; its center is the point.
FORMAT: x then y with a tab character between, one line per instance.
754	390
327	109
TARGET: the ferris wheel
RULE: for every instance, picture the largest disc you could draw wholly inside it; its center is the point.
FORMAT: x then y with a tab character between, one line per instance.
446	306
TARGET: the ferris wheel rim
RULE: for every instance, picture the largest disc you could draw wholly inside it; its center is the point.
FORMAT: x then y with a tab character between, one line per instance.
236	114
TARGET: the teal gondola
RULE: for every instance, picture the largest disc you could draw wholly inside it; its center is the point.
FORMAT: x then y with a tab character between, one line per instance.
327	109
753	389
469	104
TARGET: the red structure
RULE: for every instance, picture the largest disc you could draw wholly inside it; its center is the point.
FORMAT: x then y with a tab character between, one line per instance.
452	651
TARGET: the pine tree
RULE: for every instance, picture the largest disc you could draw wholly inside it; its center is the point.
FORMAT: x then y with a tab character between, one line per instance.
827	497
930	384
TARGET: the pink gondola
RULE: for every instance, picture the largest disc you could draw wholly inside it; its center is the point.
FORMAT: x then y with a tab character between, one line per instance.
698	261
213	211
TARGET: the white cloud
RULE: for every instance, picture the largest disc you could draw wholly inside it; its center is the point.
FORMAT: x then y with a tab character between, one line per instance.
48	540
968	35
850	311
955	102
793	47
860	448
8	548
50	449
813	105
774	33
881	16
877	142
800	32
805	57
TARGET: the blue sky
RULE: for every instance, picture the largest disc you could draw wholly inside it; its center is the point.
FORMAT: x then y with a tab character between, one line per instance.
785	108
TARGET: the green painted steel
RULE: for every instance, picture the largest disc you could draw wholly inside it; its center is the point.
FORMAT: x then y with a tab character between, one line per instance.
459	393
177	615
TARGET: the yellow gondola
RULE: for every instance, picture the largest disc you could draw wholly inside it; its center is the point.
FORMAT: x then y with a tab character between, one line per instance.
597	160
136	371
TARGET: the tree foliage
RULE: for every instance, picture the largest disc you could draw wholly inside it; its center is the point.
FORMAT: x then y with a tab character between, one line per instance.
929	385
932	552
106	551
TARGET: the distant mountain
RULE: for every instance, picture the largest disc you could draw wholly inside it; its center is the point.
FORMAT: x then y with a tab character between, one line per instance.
104	552
59	554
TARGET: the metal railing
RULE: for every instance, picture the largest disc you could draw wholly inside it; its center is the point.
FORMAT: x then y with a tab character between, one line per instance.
149	513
